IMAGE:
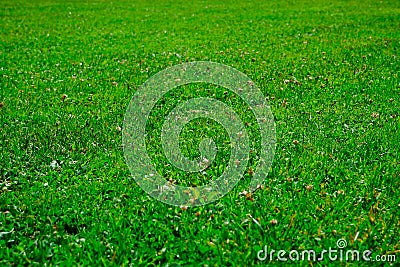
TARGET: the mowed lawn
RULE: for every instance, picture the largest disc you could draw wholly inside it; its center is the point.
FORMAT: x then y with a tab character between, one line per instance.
68	70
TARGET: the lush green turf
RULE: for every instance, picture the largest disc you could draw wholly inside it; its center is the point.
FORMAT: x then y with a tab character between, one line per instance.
68	71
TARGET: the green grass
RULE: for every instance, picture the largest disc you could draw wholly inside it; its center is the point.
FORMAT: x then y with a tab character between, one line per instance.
330	71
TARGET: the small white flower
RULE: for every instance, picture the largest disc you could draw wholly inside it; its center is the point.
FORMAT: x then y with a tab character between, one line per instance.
54	164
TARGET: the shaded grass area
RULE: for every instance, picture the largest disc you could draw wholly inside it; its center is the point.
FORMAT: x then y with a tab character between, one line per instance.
68	71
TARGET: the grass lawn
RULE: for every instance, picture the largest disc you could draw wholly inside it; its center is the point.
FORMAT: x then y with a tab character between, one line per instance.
68	70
